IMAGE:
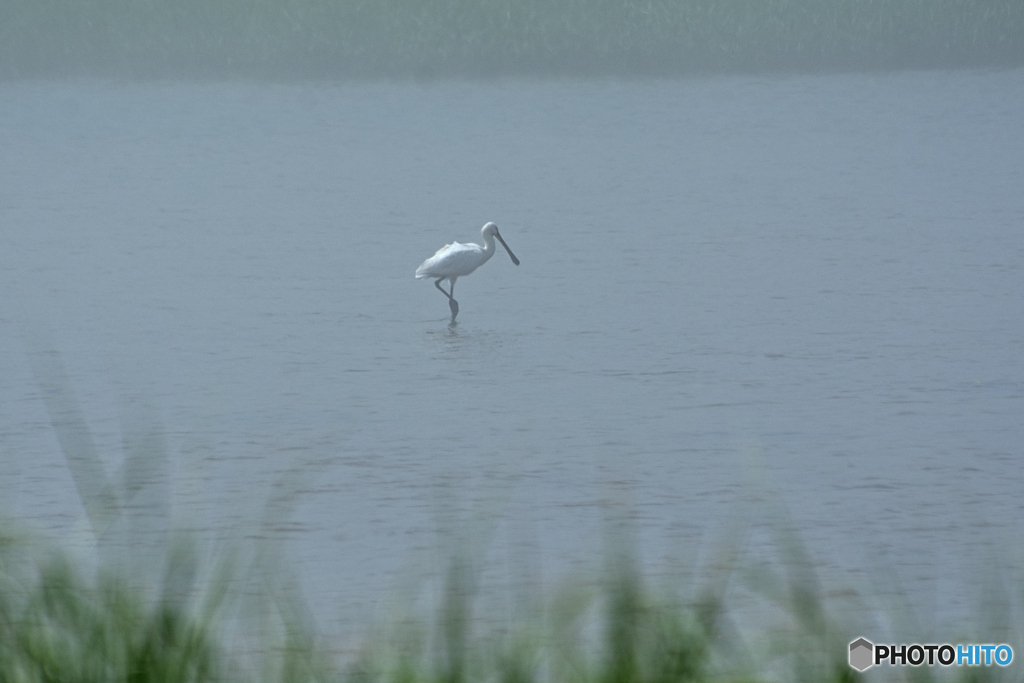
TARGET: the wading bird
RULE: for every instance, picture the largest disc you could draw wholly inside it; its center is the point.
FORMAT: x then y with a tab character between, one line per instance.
454	260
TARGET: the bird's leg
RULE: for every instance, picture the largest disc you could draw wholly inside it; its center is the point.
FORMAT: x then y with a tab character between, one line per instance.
452	303
437	283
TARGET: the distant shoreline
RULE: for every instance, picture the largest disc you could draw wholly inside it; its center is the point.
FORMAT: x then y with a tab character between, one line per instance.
400	39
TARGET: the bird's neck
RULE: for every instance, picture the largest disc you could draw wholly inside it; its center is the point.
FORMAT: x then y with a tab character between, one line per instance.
488	246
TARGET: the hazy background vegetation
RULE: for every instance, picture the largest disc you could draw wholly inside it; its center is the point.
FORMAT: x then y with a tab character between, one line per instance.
333	39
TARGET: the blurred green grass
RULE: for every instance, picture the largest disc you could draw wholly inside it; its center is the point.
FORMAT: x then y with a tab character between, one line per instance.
58	624
176	611
340	39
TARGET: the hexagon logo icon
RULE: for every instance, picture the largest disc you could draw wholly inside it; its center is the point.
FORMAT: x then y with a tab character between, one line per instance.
861	651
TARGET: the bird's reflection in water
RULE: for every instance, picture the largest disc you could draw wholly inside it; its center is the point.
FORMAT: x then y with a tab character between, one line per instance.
463	344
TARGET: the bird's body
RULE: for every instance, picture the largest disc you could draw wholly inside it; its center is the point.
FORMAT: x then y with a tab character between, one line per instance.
454	260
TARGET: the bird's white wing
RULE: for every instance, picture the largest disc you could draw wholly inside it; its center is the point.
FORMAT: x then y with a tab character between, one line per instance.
445	248
451	259
430	267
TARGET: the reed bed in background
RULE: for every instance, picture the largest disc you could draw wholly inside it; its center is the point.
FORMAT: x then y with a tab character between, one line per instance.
340	39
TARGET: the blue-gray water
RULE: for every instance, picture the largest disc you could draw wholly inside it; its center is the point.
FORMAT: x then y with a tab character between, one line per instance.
809	286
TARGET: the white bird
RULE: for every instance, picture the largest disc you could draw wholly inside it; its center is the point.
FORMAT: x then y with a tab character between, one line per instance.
454	260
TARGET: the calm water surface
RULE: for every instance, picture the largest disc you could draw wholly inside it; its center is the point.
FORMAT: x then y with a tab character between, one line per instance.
799	289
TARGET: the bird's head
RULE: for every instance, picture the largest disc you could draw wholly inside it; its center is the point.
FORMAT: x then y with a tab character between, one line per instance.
491	230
